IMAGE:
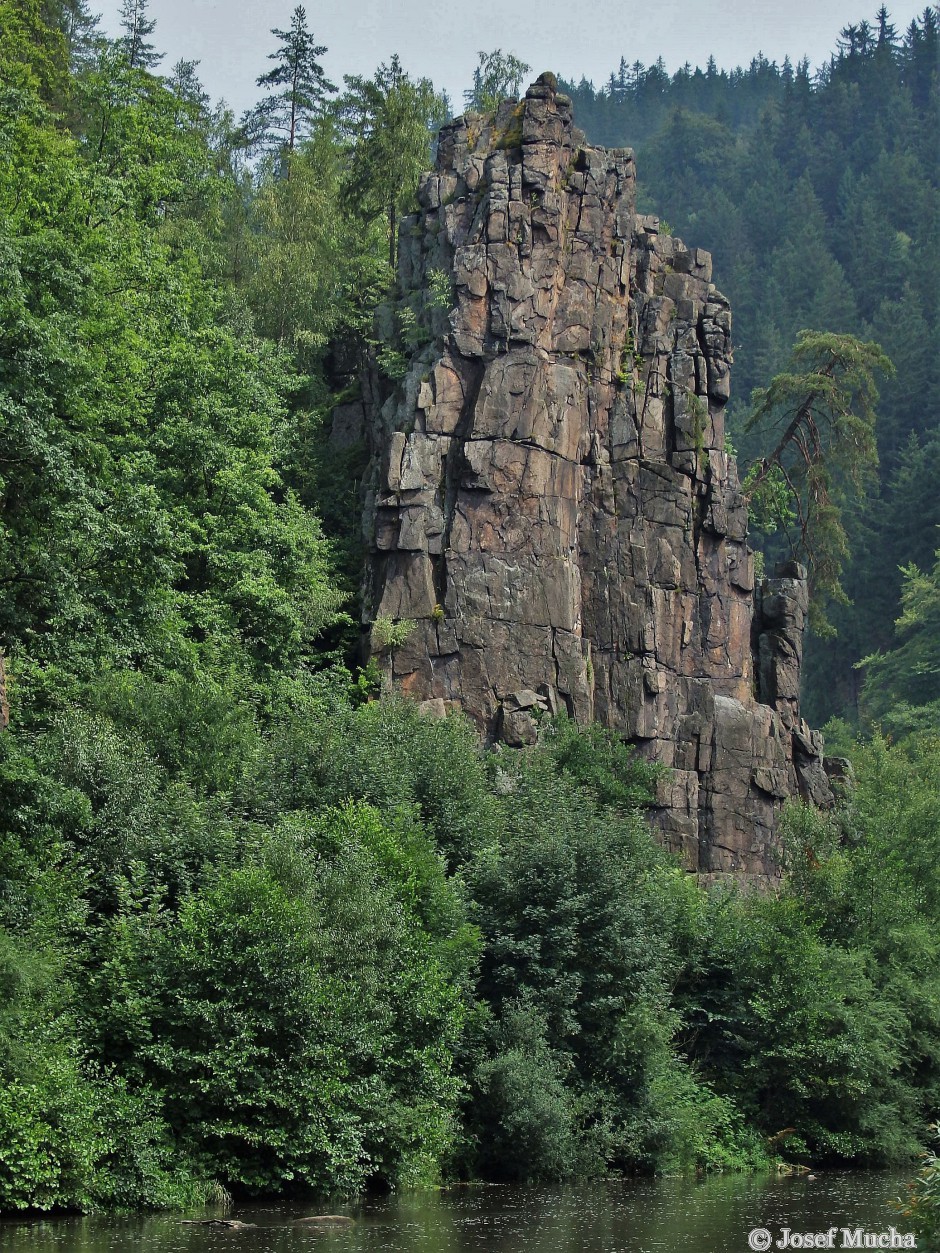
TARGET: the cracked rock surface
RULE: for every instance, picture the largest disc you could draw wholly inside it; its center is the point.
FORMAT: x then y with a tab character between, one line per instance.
551	501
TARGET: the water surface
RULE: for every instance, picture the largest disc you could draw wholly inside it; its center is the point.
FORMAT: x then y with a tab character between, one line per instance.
621	1216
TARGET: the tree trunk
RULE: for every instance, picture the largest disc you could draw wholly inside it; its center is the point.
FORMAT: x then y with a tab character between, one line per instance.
293	119
4	703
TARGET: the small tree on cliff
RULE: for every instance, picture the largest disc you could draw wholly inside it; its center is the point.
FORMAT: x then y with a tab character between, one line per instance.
497	77
822	413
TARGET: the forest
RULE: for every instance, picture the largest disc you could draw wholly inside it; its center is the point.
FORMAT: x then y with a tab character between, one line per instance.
262	933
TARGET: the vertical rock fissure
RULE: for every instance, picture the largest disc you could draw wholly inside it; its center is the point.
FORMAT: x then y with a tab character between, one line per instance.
555	507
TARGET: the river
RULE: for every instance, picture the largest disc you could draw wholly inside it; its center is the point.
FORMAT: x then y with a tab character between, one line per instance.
715	1215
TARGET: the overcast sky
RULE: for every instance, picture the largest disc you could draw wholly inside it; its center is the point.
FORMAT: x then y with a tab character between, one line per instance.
231	38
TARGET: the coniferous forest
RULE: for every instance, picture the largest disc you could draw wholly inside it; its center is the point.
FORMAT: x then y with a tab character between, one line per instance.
262	932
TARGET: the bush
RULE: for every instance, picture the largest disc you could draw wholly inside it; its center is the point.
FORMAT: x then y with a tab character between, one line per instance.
797	1032
578	907
524	1120
71	1137
299	1013
922	1204
356	947
389	754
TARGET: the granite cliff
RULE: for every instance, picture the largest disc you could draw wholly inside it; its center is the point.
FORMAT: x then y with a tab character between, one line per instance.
551	501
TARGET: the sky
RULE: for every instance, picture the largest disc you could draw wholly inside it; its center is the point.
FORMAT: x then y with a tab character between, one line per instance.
231	38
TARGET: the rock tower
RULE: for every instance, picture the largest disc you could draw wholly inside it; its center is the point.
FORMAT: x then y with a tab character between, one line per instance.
551	499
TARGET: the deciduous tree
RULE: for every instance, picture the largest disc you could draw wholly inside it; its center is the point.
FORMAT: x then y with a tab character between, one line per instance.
389	120
497	76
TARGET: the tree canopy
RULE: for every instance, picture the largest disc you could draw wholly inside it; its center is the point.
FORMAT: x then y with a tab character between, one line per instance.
497	76
389	121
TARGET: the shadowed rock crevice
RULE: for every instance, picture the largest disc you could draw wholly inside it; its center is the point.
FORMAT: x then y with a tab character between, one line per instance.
550	497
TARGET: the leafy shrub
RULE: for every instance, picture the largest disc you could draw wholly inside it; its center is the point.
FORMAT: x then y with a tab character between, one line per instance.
921	1206
796	1032
524	1117
299	1014
70	1136
577	906
599	759
384	752
388	634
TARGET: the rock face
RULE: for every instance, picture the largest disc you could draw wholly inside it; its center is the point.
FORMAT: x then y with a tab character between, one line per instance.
552	503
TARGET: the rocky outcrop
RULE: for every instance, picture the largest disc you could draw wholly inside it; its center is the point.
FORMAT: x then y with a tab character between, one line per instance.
552	502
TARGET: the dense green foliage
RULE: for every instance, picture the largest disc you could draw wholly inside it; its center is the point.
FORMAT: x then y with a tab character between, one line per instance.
922	1203
387	119
260	933
902	684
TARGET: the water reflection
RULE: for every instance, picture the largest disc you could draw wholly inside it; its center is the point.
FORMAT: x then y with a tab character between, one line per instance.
622	1216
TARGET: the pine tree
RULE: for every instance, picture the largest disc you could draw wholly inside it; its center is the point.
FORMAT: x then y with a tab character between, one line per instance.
140	54
299	85
821	415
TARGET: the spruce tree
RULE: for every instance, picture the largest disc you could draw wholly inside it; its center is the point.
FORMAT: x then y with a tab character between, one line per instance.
140	54
887	33
299	85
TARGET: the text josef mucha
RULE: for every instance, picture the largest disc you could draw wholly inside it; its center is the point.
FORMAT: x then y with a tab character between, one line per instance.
760	1239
